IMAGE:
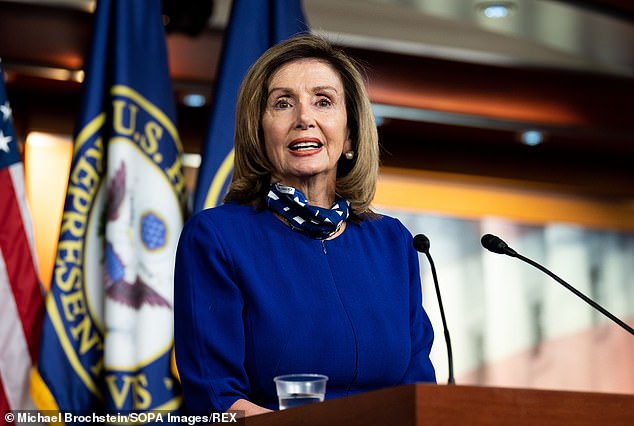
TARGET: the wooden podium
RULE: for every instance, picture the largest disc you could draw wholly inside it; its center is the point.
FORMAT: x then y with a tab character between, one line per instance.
442	405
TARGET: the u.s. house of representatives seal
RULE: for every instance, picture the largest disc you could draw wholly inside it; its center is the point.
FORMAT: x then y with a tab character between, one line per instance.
116	254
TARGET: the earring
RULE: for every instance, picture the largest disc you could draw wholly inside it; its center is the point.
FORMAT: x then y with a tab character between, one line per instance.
349	155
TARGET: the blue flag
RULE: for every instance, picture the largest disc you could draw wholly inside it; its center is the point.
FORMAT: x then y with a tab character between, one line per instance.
107	336
254	26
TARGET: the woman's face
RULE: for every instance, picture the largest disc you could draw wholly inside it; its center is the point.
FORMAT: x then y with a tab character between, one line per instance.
305	122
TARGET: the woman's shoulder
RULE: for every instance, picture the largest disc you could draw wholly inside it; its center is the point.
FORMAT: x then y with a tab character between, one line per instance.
383	226
224	215
381	221
229	209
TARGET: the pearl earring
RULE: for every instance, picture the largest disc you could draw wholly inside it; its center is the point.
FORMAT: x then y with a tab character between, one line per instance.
349	155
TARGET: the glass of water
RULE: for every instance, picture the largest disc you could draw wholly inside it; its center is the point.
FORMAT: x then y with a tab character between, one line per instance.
294	390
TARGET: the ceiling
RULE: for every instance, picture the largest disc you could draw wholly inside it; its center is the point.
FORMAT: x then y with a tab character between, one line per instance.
452	89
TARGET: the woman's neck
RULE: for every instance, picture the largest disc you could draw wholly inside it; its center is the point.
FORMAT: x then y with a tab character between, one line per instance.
320	193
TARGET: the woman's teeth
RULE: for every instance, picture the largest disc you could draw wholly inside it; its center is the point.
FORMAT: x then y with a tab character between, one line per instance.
305	145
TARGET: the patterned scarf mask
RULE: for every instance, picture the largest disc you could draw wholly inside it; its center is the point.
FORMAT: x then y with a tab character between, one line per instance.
315	222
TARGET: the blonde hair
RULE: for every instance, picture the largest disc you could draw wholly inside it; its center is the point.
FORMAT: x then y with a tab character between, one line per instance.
356	178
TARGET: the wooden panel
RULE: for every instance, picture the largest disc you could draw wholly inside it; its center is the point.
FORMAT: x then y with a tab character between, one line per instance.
434	405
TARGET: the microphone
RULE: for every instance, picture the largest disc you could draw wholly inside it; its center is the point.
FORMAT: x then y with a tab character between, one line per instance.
421	244
496	245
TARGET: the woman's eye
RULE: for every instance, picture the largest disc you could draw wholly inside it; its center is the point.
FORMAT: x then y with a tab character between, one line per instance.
324	102
282	103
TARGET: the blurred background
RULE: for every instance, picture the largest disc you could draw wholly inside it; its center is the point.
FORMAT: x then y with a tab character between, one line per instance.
509	117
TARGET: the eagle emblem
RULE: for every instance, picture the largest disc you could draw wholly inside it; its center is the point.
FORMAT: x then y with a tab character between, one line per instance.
136	292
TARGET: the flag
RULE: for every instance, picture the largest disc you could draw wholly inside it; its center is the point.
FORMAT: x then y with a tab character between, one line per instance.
254	26
107	335
21	293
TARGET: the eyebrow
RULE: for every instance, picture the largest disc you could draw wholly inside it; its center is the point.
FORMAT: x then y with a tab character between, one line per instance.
314	89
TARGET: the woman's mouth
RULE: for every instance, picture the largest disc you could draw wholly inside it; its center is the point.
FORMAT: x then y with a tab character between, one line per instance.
303	146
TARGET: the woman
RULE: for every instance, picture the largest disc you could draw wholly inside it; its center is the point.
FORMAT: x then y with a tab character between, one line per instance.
294	273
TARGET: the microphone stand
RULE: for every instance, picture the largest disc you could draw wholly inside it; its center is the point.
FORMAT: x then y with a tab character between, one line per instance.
496	245
591	302
451	380
421	244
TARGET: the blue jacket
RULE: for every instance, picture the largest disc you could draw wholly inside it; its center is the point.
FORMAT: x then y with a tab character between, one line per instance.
254	299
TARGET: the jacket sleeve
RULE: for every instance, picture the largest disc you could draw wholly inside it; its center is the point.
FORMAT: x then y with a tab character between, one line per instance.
208	328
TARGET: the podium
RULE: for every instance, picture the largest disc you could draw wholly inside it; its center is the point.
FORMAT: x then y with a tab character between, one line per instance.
442	405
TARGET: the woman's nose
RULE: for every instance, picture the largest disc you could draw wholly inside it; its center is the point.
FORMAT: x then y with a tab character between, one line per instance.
305	118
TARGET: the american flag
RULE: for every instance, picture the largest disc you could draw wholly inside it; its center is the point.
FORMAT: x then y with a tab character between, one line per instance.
21	294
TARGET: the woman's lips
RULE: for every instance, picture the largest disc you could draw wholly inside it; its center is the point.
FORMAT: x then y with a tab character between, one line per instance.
305	146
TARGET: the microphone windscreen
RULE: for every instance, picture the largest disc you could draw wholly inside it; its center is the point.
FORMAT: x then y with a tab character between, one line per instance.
421	243
494	244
